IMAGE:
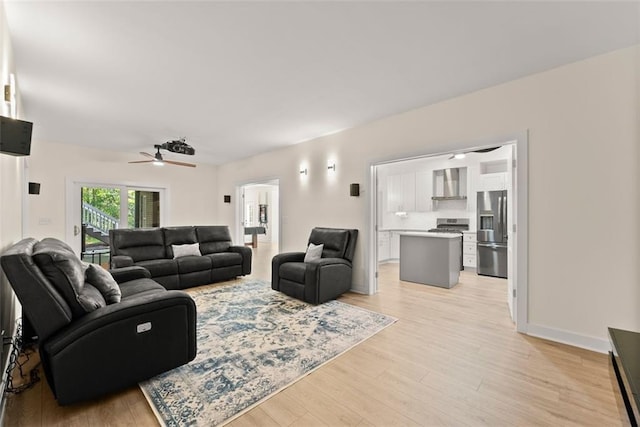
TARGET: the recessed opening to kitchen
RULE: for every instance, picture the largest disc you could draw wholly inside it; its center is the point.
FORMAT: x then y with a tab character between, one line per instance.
447	220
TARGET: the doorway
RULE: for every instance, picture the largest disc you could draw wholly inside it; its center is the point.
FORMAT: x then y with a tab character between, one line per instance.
408	208
95	208
258	223
259	209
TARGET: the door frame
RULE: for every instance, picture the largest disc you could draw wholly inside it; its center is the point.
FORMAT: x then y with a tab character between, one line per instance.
73	199
519	227
238	229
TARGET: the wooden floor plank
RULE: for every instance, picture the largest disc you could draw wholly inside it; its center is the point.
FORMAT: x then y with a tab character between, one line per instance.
452	358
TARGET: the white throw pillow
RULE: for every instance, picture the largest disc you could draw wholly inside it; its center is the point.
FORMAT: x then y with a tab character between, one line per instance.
186	250
314	252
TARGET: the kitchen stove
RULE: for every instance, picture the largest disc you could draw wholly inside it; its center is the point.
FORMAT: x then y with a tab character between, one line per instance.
452	225
446	230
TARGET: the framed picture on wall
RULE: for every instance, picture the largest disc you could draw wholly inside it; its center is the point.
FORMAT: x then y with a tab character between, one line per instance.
262	214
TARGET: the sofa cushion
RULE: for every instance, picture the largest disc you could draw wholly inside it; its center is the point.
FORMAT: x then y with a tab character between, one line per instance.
160	267
139	244
293	271
103	281
189	264
63	269
185	250
334	240
178	236
213	238
140	286
225	259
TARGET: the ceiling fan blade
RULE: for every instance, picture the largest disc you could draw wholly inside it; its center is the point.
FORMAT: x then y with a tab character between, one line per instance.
147	154
142	161
191	165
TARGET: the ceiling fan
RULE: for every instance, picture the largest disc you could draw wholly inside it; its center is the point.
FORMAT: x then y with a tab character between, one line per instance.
158	160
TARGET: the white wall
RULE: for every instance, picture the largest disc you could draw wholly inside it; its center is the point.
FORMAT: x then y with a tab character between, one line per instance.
583	159
192	192
11	167
12	188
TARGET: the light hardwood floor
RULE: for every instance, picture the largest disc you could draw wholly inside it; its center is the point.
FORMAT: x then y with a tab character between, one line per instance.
452	358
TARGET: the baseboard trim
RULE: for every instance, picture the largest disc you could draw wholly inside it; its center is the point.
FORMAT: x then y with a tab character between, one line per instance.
570	338
359	290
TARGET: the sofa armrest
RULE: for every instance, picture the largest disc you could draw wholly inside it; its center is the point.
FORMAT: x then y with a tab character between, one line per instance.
331	261
327	278
246	254
121	344
280	259
126	274
120	261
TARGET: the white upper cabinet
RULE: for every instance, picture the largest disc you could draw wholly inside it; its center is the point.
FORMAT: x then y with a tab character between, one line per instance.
492	182
394	193
401	192
493	175
423	191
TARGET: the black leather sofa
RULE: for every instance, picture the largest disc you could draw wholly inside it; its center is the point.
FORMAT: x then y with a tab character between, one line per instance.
152	248
319	280
92	343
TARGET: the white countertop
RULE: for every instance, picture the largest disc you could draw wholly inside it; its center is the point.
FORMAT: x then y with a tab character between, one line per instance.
432	234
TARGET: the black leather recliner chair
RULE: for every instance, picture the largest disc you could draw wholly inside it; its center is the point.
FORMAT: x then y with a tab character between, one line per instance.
321	280
87	353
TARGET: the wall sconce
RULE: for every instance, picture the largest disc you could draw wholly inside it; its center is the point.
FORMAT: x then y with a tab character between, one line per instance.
303	171
9	95
332	166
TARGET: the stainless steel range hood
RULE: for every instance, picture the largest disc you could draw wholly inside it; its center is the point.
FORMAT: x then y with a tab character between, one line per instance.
447	185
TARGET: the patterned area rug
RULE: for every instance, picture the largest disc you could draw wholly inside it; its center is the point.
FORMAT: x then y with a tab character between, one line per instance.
252	343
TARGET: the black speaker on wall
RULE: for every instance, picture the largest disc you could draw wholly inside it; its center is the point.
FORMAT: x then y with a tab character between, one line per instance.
354	190
227	198
34	188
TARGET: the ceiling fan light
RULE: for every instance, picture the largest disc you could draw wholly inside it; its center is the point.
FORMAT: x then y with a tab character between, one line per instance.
459	156
158	163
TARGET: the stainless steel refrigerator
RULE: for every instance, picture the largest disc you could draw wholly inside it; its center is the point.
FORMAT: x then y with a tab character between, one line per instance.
492	233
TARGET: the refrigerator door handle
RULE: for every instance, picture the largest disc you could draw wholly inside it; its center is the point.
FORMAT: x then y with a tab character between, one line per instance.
500	218
505	230
491	245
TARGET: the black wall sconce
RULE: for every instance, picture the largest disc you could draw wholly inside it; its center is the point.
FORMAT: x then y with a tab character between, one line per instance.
354	190
227	198
34	188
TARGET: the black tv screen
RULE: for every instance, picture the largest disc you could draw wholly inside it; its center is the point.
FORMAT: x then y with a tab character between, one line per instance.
15	136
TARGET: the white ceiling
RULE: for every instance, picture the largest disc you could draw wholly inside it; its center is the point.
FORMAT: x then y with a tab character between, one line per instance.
240	78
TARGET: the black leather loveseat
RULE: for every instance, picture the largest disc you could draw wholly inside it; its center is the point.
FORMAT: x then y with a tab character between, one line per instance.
216	259
98	332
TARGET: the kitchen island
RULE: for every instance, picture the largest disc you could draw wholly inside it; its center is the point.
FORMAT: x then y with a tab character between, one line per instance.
430	258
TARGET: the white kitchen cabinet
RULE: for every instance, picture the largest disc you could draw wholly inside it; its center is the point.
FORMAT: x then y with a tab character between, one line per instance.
394	193
394	245
424	189
401	192
383	246
492	181
469	240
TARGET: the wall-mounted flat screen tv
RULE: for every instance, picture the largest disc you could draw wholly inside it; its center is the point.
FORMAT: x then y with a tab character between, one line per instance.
15	136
